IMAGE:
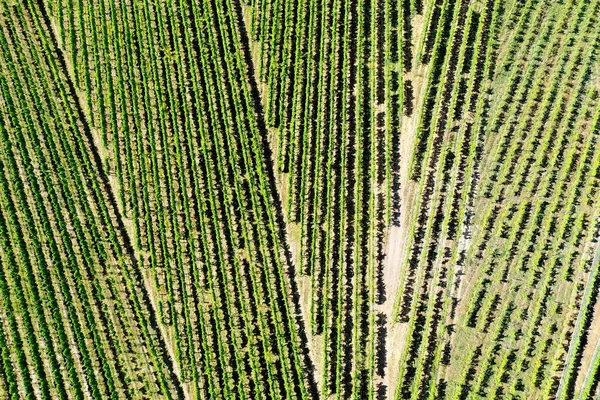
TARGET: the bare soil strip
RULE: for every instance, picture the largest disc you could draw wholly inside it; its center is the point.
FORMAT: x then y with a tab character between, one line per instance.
397	245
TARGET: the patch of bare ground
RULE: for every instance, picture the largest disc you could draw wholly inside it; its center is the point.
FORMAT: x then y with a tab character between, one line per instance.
395	254
397	241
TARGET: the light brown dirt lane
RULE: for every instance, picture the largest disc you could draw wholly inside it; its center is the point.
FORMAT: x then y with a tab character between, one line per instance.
397	245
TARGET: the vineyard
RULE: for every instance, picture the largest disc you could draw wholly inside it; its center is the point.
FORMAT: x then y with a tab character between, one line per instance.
288	199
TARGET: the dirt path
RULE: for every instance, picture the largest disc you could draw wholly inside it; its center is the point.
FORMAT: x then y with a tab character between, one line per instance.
396	334
397	245
396	249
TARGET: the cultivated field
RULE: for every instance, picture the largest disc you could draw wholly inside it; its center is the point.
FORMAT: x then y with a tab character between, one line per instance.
300	199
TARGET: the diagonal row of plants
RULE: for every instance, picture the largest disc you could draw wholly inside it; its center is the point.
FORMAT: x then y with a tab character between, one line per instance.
76	318
538	208
186	186
168	100
507	166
